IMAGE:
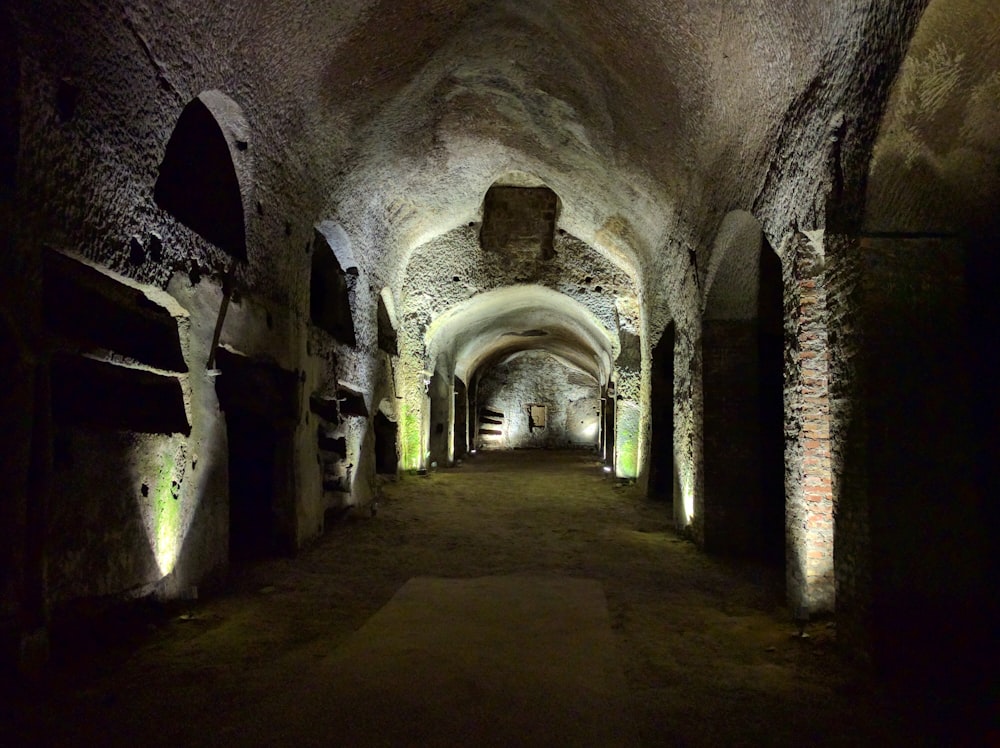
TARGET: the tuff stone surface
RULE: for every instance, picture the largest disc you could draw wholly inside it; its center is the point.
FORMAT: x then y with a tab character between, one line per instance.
658	151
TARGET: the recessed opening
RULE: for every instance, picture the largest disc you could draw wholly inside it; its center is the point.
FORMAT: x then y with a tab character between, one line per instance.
387	338
386	450
92	310
103	395
198	183
329	293
520	221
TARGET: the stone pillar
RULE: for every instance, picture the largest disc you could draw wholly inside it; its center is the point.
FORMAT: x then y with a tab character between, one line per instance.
628	410
627	425
689	496
809	499
661	451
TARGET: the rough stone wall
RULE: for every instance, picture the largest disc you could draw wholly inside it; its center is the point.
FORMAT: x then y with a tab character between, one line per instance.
572	402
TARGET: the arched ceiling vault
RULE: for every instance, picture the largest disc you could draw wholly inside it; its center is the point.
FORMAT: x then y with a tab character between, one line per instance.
493	325
651	120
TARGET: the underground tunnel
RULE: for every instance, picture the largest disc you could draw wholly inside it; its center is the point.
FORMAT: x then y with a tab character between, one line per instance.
275	277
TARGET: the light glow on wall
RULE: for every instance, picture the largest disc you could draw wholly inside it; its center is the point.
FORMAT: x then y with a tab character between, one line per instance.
627	439
167	523
410	419
687	501
165	503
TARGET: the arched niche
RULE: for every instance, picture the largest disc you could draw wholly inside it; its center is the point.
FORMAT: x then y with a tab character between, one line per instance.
742	378
387	336
202	175
331	281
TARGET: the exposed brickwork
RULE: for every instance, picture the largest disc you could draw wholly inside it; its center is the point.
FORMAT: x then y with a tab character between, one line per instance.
808	486
520	221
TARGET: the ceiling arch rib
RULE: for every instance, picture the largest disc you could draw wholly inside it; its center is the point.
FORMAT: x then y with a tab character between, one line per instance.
493	325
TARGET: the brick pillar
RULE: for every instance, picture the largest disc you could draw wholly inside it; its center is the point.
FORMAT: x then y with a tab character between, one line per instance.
809	500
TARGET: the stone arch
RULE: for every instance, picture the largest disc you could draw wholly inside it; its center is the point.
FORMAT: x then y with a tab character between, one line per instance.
205	172
743	381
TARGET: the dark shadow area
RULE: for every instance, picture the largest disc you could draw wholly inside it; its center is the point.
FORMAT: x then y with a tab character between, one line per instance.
461	419
386	332
198	184
386	451
253	446
329	296
260	401
101	395
933	612
91	310
10	80
608	430
743	376
352	403
661	449
771	407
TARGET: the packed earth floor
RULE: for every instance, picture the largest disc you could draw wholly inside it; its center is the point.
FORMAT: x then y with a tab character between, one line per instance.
706	645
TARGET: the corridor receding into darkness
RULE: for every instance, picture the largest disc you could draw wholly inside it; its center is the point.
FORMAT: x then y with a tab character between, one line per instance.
674	648
597	351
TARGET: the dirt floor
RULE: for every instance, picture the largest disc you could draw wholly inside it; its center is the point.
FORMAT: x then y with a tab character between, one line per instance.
706	644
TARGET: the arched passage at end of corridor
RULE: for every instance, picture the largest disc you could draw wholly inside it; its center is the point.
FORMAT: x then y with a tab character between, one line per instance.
487	329
535	398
